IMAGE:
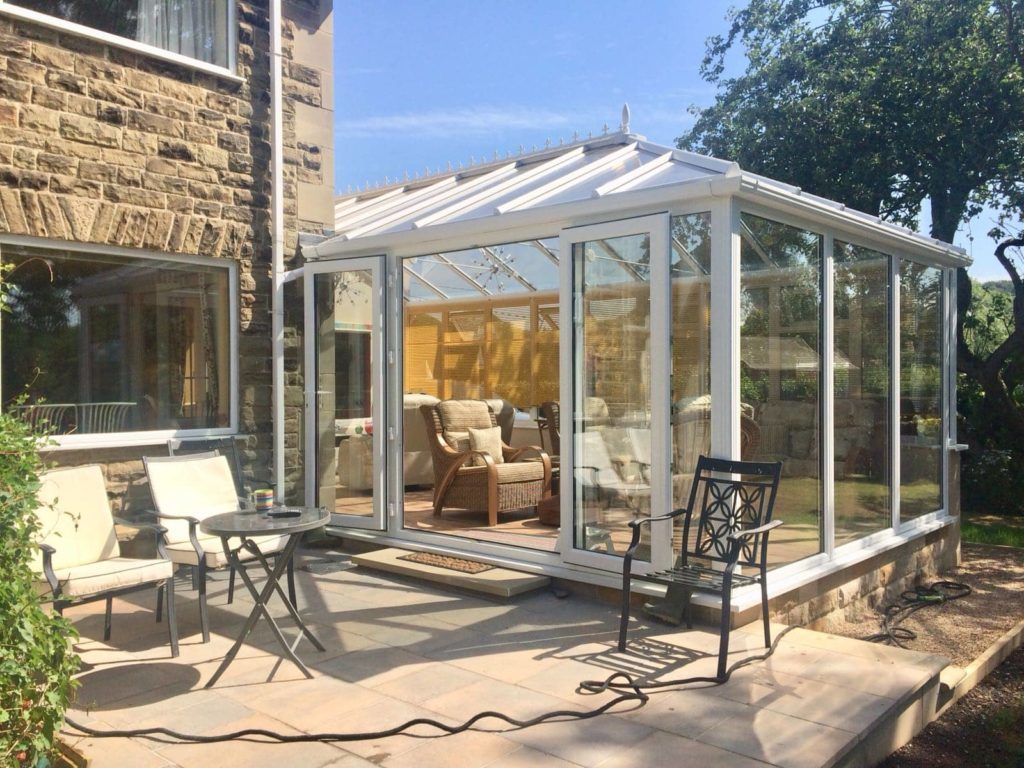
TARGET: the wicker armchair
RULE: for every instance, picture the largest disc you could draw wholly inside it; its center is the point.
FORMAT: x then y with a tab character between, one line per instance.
472	479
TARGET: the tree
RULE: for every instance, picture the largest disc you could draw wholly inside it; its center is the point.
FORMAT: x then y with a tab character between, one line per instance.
882	105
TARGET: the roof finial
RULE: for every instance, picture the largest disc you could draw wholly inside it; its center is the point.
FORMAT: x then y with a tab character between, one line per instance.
604	129
387	180
575	136
521	149
472	160
497	155
561	141
547	143
449	165
406	175
624	128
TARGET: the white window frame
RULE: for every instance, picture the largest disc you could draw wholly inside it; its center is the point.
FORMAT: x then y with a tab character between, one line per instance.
229	72
155	436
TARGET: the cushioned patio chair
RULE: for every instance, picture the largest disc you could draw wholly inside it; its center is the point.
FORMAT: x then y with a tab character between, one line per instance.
604	478
725	526
188	489
473	467
79	554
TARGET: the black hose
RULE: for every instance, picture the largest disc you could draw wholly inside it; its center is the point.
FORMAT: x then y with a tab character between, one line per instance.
909	603
628	689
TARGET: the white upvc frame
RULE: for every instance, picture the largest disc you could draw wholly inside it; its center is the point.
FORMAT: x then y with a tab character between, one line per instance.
375	266
81	30
827	406
895	412
155	436
725	328
656	226
721	201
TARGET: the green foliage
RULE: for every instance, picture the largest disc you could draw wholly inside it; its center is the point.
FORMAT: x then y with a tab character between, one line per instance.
993	483
879	105
992	533
36	658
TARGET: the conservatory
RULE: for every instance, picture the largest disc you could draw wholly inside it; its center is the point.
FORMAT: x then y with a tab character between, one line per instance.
607	311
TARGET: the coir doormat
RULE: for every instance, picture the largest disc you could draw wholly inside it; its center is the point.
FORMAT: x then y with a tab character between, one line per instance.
444	561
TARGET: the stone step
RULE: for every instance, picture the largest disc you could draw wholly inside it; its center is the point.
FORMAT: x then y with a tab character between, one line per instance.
499	582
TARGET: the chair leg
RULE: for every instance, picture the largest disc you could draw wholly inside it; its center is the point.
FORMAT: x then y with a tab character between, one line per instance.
195	579
231	585
764	613
160	602
726	627
106	619
204	618
624	618
172	622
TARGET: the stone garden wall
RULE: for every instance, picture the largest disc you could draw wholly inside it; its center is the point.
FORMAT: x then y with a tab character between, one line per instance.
103	145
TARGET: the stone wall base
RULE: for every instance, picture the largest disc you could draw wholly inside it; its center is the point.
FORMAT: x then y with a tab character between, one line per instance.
849	593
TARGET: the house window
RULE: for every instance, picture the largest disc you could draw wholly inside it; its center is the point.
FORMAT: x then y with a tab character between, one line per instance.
198	29
97	343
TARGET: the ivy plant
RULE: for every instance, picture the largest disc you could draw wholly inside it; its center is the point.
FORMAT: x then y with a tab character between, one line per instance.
36	658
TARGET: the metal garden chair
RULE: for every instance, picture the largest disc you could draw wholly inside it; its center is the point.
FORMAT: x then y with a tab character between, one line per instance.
725	528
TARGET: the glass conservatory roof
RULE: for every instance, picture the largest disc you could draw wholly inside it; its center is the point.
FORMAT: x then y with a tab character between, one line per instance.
607	168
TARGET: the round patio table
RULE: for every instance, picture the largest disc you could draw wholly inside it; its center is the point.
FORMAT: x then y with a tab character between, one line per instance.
245	528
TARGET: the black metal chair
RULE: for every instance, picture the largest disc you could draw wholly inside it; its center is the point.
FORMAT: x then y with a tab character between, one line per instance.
736	500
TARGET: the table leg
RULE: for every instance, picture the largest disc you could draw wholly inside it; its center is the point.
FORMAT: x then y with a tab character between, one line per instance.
260	599
288	603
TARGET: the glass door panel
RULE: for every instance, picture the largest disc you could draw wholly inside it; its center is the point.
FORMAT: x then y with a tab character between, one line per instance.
344	394
619	384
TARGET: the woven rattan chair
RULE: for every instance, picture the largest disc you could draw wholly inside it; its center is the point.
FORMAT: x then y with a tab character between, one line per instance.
472	479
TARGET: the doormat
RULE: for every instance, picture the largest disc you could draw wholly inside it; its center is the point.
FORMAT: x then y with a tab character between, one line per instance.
444	561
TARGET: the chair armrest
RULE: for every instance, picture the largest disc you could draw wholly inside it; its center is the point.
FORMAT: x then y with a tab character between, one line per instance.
513	454
193	525
159	531
51	577
658	518
749	532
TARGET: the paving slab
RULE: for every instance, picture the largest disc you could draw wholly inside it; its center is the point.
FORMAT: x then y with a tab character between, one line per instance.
398	649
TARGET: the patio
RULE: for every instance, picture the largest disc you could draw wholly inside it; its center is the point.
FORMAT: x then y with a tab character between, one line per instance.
398	649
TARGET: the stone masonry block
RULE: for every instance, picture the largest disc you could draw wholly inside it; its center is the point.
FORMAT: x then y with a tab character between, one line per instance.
36	118
78	128
80	214
14	212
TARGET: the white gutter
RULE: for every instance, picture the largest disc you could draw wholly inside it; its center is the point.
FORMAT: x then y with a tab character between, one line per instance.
277	244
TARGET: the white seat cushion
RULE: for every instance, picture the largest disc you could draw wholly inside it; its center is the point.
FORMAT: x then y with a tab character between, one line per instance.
113	573
183	552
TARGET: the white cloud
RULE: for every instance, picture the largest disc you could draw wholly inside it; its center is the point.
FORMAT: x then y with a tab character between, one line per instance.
468	121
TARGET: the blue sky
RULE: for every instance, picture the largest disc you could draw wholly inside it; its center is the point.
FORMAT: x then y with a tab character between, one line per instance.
426	83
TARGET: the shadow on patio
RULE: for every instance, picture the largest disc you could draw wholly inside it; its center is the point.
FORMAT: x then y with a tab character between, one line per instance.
398	649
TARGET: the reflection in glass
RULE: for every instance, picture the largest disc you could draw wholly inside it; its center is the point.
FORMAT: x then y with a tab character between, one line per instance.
861	391
612	371
920	390
780	366
194	28
690	270
344	366
480	324
105	344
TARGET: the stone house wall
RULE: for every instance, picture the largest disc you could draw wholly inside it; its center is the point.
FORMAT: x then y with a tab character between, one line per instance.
100	144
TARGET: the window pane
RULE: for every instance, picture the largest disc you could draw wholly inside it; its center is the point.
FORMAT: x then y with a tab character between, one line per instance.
780	350
612	372
690	267
194	28
114	344
861	382
481	324
920	390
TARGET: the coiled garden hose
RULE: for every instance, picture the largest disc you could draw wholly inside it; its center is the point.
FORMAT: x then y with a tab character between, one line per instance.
627	688
909	603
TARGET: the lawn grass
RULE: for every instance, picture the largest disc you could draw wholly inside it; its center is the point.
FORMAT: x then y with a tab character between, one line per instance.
1007	535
